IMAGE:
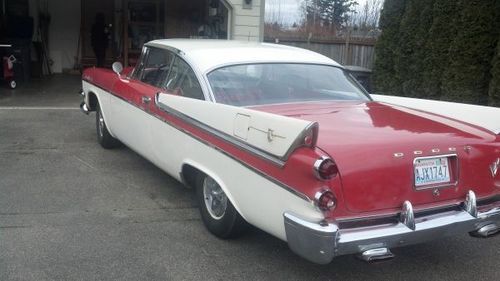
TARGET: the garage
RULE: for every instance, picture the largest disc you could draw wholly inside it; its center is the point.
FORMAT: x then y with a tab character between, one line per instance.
57	36
67	219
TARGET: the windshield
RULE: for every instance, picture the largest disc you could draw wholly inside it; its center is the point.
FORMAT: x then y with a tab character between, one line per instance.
259	84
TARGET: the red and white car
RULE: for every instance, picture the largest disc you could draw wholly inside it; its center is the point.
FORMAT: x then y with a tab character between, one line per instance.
283	139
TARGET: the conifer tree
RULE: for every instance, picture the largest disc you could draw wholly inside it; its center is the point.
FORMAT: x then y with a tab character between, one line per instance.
494	89
411	54
385	76
467	76
441	34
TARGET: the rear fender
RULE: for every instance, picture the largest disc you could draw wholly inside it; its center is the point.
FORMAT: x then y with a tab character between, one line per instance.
268	135
207	171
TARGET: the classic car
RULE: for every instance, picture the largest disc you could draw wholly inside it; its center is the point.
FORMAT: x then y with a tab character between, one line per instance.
284	139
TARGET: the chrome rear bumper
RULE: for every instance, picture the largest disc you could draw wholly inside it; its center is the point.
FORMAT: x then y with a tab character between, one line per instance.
321	242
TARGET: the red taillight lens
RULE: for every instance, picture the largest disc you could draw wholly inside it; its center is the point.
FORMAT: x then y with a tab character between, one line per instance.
325	200
325	168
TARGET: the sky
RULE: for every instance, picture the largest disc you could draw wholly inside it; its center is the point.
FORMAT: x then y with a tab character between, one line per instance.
290	9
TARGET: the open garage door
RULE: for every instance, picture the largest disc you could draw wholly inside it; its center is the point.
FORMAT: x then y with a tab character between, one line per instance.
131	23
173	19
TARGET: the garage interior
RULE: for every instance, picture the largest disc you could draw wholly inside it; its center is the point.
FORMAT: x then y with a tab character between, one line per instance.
68	209
56	36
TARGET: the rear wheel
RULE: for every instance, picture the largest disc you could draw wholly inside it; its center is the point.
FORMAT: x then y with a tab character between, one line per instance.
217	212
104	138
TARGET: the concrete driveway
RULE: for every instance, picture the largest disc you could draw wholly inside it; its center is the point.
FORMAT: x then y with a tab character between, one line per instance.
70	210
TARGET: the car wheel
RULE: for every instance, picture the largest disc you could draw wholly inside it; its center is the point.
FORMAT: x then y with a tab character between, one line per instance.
217	211
12	84
103	136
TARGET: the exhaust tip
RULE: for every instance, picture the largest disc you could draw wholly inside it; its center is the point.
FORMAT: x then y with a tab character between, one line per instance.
376	255
486	231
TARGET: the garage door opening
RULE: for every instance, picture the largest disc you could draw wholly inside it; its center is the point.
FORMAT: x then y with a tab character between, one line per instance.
60	31
131	23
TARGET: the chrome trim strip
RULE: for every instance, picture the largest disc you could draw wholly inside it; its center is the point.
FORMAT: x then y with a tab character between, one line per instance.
228	64
443	185
221	135
255	170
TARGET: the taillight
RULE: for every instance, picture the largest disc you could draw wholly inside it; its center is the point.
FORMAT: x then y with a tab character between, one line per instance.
325	200
325	168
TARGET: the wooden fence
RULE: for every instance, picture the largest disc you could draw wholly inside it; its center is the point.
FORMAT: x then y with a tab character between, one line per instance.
359	52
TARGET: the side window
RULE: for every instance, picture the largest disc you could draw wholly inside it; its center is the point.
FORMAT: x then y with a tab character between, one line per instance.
183	81
155	66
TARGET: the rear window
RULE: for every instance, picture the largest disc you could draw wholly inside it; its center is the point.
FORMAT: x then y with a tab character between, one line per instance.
259	84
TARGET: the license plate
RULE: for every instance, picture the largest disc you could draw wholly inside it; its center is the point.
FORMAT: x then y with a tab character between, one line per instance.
432	171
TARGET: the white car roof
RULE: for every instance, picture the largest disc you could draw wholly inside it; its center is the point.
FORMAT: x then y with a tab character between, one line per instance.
206	55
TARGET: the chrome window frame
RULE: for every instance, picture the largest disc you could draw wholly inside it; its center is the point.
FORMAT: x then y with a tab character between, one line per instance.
199	75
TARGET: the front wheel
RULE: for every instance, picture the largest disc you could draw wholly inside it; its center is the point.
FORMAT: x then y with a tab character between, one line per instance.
217	212
104	138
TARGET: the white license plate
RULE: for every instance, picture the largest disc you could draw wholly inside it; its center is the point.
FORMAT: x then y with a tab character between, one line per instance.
431	171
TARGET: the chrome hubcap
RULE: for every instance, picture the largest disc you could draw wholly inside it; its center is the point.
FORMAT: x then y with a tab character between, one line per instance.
101	124
215	198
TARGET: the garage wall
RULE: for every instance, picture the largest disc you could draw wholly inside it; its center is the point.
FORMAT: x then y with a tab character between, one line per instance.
247	24
64	32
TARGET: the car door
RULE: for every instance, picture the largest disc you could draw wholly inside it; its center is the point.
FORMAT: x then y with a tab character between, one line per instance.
139	91
151	77
169	142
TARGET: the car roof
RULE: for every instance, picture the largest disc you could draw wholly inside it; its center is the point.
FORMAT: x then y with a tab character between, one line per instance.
206	55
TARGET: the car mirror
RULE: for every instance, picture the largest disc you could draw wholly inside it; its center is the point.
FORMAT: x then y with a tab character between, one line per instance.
117	67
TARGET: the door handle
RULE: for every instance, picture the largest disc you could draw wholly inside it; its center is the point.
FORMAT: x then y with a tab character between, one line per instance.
146	100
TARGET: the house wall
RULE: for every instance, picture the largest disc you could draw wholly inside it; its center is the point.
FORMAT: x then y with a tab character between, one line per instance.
247	24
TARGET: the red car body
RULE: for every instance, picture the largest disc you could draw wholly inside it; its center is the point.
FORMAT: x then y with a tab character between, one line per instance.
374	146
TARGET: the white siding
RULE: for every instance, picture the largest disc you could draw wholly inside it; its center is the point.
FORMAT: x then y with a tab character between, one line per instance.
247	24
